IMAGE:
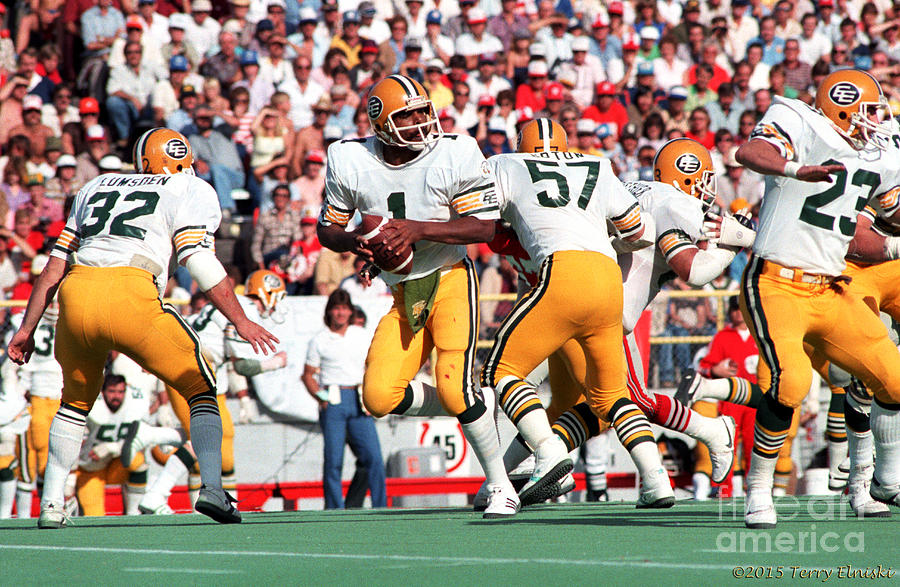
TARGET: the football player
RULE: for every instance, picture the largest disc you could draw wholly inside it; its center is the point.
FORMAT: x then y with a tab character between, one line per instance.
823	164
263	290
551	199
437	192
681	166
14	423
103	460
114	254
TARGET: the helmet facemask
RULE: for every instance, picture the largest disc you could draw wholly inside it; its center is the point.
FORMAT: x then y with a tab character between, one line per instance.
705	189
428	131
864	132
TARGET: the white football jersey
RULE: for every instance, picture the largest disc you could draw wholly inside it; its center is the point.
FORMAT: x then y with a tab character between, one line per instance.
140	385
41	376
560	201
806	225
210	325
448	180
679	223
104	426
121	220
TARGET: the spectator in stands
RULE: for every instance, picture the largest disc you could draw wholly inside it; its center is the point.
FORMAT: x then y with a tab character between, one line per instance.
270	138
24	242
606	109
412	66
737	183
531	94
74	134
742	28
31	126
311	183
554	95
361	75
268	177
43	210
274	232
477	40
60	111
349	40
12	94
303	257
303	92
134	33
675	115
391	52
166	95
723	113
311	137
239	119
182	119
331	269
357	288
260	87
64	184
435	44
203	29
685	317
155	24
813	44
370	27
496	142
97	148
100	26
224	65
487	82
797	74
128	89
216	159
179	44
441	96
333	375
463	111
14	191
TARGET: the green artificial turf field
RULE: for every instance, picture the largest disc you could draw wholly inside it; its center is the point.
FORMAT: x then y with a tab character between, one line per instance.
555	544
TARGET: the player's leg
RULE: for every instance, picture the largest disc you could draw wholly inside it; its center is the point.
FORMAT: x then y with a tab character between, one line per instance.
229	481
877	369
25	474
82	345
90	489
703	466
779	314
784	466
167	347
42	411
606	379
539	324
454	328
717	433
182	411
595	452
737	390
176	467
7	472
134	484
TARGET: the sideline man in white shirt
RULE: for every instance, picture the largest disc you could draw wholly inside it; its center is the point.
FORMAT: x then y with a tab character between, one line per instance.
335	362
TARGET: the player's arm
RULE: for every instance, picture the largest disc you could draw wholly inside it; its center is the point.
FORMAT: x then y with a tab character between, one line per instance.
763	157
22	344
695	266
871	247
401	233
210	276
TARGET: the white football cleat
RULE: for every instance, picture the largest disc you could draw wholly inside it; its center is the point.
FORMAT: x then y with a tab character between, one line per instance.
155	503
502	502
759	510
889	494
552	463
721	452
860	500
53	516
687	388
656	491
564	485
480	503
839	475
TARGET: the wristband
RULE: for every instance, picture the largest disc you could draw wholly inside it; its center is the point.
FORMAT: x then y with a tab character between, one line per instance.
791	168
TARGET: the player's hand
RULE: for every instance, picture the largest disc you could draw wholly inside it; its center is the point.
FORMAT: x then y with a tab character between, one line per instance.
725	368
362	249
401	233
258	337
248	412
20	348
818	173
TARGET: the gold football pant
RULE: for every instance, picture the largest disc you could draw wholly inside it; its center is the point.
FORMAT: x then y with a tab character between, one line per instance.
42	411
182	411
396	354
118	308
783	314
578	297
877	285
90	487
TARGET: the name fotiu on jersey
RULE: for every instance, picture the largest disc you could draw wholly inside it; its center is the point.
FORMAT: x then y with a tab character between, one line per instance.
133	182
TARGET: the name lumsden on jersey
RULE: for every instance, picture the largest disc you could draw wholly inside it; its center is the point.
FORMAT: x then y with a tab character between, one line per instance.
119	181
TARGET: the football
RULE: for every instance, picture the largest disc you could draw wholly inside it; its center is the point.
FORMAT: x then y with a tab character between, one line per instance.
399	262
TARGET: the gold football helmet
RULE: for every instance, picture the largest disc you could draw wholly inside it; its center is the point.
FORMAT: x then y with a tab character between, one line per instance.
848	97
266	286
396	94
542	134
165	151
687	165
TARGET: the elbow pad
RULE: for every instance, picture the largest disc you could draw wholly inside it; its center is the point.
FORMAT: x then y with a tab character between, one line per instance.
709	264
206	270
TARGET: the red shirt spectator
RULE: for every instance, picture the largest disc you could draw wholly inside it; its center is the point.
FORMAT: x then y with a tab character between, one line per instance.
531	95
607	110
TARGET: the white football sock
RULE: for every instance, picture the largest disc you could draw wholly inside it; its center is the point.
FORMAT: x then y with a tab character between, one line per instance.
160	436
425	400
172	473
761	476
535	428
66	434
737	486
24	495
646	458
861	448
701	486
705	429
132	495
886	434
482	435
709	389
515	453
7	494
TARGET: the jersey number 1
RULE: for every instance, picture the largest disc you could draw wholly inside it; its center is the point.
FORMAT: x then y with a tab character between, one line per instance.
104	203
